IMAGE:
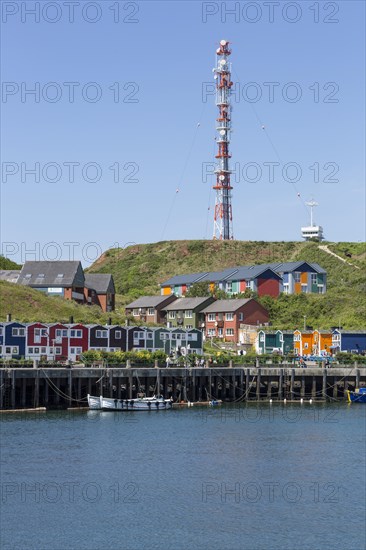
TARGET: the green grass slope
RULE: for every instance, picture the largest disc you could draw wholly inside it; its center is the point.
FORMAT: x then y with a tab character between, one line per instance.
26	305
5	263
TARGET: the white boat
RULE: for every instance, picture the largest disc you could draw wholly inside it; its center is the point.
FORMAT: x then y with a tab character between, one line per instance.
155	403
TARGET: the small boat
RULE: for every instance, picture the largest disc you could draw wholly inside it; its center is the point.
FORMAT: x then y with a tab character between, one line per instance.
155	403
357	396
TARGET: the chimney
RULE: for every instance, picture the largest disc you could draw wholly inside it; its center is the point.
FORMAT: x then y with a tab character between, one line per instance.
8	318
109	320
71	320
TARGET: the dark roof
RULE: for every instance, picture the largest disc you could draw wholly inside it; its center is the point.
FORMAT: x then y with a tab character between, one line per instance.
54	274
148	301
9	275
252	271
350	331
229	274
240	273
218	276
102	283
184	279
186	303
288	267
224	306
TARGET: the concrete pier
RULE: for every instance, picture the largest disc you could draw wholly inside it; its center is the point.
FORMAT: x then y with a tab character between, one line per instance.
61	388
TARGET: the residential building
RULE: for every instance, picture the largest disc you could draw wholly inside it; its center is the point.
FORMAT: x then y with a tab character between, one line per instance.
15	336
322	342
98	337
264	279
99	289
224	317
37	341
117	338
149	309
179	340
312	342
58	337
301	277
60	342
272	341
348	341
79	336
186	313
67	280
139	338
179	284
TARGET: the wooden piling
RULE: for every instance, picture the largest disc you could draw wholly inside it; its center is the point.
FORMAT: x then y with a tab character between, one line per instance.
60	387
258	392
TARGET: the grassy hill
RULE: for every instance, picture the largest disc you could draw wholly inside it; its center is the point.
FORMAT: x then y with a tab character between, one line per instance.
26	304
5	263
139	269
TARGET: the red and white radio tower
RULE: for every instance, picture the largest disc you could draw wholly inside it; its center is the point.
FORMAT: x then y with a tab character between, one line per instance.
223	218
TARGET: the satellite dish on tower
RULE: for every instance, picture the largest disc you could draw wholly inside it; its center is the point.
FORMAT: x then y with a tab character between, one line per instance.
223	42
222	132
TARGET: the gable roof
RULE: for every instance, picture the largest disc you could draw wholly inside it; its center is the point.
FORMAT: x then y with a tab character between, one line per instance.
148	301
217	276
184	279
229	274
253	271
55	274
102	283
224	306
187	303
287	267
241	272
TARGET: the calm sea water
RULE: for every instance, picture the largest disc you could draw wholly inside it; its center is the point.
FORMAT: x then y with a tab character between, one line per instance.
280	477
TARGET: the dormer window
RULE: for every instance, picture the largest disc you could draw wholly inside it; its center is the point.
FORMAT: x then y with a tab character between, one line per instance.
28	276
41	276
60	276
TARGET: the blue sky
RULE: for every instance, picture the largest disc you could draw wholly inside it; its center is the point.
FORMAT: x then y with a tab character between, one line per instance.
161	128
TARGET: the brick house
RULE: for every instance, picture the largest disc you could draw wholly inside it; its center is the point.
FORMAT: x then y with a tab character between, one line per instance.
149	309
224	317
99	288
67	280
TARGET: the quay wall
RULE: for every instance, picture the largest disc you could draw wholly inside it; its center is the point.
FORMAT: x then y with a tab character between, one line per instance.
62	388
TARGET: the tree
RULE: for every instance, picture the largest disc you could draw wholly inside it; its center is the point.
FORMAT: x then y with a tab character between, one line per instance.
199	289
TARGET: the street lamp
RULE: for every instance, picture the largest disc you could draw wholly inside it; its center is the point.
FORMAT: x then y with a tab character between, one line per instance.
304	322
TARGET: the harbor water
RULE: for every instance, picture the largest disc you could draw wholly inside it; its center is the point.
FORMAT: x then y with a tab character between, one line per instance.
251	477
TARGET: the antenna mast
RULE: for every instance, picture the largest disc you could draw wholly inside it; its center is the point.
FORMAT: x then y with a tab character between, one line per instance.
311	203
223	218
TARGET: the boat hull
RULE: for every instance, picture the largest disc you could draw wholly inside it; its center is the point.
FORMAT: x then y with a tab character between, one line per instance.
356	396
143	404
